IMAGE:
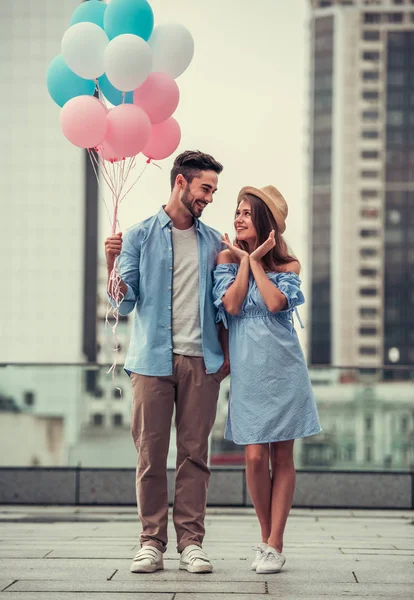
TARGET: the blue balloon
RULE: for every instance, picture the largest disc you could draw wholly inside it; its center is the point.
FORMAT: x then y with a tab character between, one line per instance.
112	94
91	11
129	16
63	84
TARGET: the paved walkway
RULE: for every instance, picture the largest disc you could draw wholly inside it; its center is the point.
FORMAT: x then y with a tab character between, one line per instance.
85	553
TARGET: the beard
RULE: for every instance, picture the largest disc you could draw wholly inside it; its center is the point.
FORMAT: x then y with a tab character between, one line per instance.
188	201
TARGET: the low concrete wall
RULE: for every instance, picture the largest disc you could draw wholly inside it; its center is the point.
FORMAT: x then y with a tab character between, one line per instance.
314	489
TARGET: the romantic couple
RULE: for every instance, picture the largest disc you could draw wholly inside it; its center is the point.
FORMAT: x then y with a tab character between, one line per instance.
205	306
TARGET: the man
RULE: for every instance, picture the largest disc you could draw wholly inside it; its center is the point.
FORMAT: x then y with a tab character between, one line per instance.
175	358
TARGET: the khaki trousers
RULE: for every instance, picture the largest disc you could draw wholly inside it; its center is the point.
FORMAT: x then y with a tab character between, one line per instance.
194	394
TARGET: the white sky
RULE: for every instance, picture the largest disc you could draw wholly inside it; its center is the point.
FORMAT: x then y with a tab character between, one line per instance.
244	99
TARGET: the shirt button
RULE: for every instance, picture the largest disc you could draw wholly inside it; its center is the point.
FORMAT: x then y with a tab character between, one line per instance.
169	249
169	326
170	268
169	308
169	287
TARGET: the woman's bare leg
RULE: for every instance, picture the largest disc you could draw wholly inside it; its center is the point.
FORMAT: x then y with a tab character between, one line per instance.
283	488
259	484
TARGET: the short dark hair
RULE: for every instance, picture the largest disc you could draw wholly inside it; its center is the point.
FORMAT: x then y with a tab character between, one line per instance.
189	164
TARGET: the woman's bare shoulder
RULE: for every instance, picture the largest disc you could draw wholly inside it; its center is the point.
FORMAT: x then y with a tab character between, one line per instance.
293	266
225	257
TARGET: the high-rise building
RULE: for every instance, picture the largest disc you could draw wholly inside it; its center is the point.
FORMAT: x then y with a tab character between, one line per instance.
50	226
362	182
49	201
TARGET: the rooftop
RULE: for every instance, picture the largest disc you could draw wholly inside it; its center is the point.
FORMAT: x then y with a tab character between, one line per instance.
82	553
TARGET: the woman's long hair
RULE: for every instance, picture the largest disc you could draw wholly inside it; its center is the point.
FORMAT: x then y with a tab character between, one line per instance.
264	222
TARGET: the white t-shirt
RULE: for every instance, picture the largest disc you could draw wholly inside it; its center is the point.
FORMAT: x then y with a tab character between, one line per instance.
186	302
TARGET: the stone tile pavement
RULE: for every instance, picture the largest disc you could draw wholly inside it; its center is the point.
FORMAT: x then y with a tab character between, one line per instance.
59	553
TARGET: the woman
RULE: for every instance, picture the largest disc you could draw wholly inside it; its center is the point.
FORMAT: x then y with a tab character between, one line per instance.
256	292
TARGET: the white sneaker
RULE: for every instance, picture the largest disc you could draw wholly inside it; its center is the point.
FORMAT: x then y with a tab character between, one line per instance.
147	560
260	550
194	560
271	562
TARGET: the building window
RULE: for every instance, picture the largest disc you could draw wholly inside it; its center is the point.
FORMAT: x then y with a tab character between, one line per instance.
366	233
395	236
367	312
98	419
368	331
365	272
365	194
369	213
368	350
29	398
395	118
117	420
368	292
395	17
368	424
370	115
370	95
396	78
371	55
370	154
368	454
394	216
404	424
396	97
370	75
118	393
368	252
371	36
369	174
396	60
370	135
372	17
98	392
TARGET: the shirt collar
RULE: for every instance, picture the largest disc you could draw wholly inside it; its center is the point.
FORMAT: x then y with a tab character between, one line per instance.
165	220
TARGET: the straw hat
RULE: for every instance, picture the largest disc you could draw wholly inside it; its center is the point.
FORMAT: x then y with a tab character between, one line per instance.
273	200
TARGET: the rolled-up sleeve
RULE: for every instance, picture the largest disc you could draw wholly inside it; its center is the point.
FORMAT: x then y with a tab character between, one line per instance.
223	276
129	271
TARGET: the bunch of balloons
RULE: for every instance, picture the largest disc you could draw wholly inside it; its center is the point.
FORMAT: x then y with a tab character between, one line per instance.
112	53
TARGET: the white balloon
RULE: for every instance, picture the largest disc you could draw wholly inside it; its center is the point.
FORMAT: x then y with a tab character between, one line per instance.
172	48
83	47
128	62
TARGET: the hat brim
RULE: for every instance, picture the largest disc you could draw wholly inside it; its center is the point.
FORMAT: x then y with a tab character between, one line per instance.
281	223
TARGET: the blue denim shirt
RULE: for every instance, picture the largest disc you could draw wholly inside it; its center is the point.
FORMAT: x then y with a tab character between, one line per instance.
146	266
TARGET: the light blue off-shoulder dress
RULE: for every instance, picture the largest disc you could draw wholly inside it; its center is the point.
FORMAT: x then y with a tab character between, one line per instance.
271	397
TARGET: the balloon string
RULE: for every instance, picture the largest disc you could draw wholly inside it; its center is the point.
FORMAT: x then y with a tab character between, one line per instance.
115	176
135	182
95	166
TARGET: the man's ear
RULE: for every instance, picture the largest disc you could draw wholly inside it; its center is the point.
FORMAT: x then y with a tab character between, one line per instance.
180	181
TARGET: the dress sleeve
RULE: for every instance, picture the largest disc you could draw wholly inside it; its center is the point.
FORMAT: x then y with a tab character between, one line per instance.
289	285
223	276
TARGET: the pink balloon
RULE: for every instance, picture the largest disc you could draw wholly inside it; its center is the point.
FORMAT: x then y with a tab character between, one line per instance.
106	152
165	138
83	121
129	129
158	96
